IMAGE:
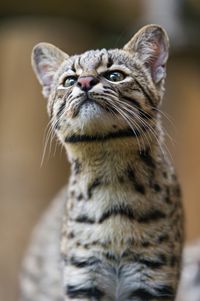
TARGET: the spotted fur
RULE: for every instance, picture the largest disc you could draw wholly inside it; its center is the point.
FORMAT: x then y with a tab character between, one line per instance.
122	221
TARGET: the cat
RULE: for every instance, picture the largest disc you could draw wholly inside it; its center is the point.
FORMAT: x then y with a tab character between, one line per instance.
116	231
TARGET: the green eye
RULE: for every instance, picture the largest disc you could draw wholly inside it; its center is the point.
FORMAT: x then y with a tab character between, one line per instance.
115	76
69	81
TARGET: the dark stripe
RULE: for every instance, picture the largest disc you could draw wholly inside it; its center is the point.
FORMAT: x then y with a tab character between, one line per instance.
151	101
92	186
131	100
73	67
84	219
152	264
100	137
123	210
155	263
126	211
138	186
151	216
147	158
91	292
61	108
161	293
82	263
145	115
110	62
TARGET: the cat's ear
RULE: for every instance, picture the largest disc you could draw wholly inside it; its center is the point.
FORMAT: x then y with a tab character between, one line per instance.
151	44
46	59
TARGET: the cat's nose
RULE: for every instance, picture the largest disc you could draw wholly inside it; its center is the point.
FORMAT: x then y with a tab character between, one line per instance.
87	82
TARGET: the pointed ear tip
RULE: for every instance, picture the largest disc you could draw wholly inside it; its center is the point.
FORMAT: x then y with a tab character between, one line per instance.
40	46
157	28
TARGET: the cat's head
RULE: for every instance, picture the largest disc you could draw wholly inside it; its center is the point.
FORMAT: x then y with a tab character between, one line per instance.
104	93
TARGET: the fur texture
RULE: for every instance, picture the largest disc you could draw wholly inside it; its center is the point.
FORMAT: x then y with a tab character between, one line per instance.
122	220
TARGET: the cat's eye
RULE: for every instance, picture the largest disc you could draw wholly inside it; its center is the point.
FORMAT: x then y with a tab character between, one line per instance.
69	81
115	76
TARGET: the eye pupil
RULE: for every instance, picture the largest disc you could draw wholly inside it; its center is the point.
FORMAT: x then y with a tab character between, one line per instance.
115	76
69	81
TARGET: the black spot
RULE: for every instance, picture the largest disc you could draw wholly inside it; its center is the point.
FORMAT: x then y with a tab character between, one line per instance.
76	166
114	126
163	238
110	256
121	179
145	243
157	187
96	183
71	235
84	219
131	176
151	216
162	257
121	210
75	292
165	174
82	263
80	197
146	157
128	253
168	196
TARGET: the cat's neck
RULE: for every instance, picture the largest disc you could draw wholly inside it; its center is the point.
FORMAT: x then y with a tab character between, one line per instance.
108	158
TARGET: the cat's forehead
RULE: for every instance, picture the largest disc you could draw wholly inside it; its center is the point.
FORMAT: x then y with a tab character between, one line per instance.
96	60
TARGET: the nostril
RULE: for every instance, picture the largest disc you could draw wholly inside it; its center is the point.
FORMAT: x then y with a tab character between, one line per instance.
87	82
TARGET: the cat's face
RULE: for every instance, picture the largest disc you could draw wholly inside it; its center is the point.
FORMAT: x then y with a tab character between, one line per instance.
104	92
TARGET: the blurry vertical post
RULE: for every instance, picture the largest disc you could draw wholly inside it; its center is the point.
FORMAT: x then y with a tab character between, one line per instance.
165	13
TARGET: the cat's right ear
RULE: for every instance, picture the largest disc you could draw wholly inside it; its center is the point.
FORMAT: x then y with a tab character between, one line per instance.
151	44
46	59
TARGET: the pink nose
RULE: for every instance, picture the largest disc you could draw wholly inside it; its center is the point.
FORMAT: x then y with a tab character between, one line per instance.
87	82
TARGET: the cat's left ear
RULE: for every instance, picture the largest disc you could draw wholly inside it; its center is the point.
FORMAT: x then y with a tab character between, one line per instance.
151	44
46	59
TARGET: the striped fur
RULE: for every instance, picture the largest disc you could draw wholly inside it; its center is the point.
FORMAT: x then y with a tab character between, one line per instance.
122	231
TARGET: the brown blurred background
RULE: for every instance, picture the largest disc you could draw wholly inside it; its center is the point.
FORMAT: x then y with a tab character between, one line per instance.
26	188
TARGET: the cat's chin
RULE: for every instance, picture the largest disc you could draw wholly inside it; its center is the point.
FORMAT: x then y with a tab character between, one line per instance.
90	109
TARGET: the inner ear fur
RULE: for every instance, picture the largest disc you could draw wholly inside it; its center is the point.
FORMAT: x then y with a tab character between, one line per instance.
46	59
151	45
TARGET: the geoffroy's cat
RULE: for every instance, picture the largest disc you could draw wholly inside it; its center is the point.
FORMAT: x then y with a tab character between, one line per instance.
115	233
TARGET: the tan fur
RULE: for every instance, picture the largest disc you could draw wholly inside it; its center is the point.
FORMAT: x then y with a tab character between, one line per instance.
122	229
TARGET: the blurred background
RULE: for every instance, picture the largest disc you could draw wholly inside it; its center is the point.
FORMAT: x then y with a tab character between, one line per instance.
26	188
